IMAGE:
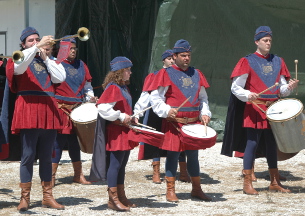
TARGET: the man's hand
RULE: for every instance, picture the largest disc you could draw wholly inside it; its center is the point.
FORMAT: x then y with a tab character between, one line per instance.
205	119
127	119
293	83
172	113
45	40
252	96
135	120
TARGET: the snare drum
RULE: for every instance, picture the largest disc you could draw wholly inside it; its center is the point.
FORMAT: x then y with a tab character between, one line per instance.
288	124
197	136
152	137
84	120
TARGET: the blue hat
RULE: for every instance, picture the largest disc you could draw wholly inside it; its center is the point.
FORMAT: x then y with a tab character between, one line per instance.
27	32
120	62
261	32
166	54
72	40
182	46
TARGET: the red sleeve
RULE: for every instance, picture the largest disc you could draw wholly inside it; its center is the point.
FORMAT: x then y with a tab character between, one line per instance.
147	81
203	80
284	70
10	75
88	76
110	95
160	79
242	67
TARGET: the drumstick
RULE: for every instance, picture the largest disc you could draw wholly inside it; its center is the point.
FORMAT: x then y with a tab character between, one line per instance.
205	129
296	74
146	126
276	84
184	103
143	110
257	106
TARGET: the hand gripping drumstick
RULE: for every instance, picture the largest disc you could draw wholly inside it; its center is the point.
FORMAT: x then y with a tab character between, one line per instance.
296	74
276	84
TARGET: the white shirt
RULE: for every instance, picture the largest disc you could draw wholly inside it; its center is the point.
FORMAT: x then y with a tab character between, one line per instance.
107	112
56	71
157	100
242	94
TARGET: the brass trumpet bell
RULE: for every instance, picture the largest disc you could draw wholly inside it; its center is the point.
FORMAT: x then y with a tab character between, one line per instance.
83	34
17	57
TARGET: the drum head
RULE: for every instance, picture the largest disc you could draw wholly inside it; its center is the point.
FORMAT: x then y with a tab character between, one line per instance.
198	130
284	109
84	113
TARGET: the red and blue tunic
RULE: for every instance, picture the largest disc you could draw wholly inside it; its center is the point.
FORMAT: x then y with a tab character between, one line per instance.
71	91
263	72
35	105
181	85
116	135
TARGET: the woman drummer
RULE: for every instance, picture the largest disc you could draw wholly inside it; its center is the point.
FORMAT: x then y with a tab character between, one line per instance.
115	106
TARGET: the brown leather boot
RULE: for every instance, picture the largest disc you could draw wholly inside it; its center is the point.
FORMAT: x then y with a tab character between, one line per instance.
170	192
122	196
48	200
25	196
275	184
248	188
114	202
184	176
253	177
156	174
54	170
197	191
78	173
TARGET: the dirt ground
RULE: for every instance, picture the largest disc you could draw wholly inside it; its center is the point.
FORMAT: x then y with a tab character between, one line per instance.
220	177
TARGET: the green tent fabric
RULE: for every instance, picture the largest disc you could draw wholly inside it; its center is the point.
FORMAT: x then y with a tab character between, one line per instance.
219	31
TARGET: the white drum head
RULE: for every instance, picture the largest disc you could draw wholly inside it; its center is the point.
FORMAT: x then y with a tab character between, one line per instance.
284	109
198	130
84	113
146	129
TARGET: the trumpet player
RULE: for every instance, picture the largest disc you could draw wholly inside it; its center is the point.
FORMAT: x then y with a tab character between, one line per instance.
35	115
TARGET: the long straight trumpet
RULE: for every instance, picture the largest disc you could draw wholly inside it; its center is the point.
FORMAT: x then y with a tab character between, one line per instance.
17	57
83	34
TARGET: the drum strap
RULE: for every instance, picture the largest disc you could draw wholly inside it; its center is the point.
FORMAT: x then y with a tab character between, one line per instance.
184	120
67	106
265	102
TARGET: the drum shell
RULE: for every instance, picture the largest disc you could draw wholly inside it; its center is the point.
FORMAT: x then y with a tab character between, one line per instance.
85	135
197	142
154	139
288	134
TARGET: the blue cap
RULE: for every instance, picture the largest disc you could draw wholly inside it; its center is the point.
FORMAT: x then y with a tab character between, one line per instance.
166	54
182	46
27	32
261	32
120	62
72	40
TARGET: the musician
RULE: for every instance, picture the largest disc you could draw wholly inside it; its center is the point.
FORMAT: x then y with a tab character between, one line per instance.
35	117
147	151
115	106
170	87
70	93
252	75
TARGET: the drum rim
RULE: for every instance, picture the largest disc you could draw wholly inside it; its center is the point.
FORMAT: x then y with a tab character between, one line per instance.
87	122
288	119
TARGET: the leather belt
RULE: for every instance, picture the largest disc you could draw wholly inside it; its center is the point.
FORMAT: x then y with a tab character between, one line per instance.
265	102
66	106
184	120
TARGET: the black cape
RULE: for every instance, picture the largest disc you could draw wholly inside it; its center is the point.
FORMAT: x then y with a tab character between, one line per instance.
235	135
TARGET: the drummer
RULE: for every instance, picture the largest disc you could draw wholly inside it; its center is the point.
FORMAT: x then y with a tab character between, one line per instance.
252	75
170	87
148	151
70	93
115	106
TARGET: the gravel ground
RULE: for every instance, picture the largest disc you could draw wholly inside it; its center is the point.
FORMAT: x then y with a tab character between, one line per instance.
220	177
